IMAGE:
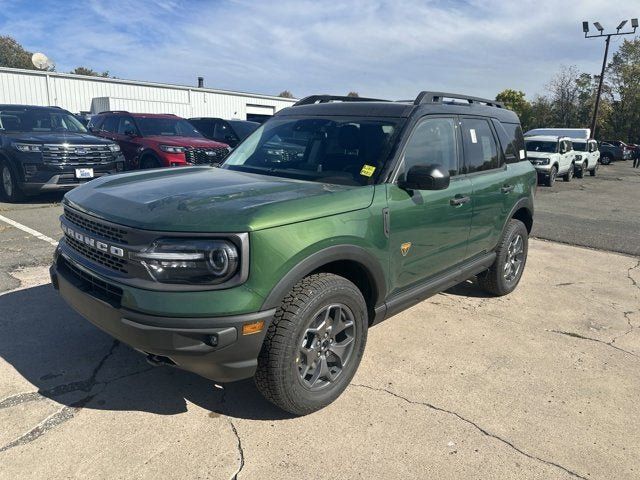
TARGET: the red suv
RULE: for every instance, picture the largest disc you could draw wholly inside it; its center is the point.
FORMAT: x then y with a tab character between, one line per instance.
157	140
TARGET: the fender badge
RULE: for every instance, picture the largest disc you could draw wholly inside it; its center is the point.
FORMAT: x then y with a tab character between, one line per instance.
404	248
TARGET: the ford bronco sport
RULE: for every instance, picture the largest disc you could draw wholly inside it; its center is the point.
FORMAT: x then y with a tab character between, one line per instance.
275	264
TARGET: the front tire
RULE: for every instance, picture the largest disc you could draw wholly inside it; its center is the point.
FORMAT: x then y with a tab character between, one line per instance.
579	173
511	257
10	191
314	344
569	175
553	173
606	159
594	170
148	162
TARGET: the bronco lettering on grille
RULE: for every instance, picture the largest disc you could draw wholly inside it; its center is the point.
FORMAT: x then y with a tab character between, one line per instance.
92	242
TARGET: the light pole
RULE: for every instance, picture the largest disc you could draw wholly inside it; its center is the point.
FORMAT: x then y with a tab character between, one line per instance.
585	29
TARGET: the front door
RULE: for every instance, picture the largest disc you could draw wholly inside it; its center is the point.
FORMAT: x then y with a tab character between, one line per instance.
428	229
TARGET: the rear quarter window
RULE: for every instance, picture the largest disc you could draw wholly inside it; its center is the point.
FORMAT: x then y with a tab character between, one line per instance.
511	140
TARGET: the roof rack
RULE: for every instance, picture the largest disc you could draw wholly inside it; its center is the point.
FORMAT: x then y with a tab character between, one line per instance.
333	98
437	97
114	111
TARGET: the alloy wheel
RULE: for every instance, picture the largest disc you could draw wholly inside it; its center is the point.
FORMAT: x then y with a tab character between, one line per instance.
7	181
515	258
326	346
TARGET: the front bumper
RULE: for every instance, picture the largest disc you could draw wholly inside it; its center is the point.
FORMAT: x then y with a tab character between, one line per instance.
212	347
43	177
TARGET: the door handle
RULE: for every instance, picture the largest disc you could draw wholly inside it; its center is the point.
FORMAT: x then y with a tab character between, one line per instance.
459	200
507	188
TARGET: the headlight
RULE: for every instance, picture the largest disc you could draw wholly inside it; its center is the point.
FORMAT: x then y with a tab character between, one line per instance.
27	147
541	161
171	149
174	260
114	147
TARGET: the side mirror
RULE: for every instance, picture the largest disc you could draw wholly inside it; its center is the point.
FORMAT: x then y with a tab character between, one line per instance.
130	132
426	177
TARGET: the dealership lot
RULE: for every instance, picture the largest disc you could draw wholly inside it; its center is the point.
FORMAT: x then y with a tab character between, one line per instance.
539	384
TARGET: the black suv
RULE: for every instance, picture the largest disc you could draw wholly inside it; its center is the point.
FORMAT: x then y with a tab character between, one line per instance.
47	148
231	132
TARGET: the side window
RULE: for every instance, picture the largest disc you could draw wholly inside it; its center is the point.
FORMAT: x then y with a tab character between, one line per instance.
202	126
480	149
110	124
511	140
223	131
433	141
95	123
126	124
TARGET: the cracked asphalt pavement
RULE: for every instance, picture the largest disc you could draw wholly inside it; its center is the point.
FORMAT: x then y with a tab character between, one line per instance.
541	384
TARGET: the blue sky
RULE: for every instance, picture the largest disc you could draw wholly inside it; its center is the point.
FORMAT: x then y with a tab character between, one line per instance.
386	48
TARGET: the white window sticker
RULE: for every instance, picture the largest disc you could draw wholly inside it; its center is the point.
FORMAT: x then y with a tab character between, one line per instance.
472	132
521	154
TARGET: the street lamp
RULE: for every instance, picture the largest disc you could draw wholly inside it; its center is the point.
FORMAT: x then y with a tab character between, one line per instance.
600	28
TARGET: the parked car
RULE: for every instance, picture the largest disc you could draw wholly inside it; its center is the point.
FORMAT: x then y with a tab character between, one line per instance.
614	150
587	156
46	149
552	156
230	132
277	267
157	140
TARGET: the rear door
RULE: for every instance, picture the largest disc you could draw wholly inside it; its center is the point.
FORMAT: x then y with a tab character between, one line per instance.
484	165
428	229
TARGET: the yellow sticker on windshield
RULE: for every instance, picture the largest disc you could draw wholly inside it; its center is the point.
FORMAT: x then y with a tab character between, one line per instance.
367	170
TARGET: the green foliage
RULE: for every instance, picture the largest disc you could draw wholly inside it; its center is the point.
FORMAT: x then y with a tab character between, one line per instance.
13	55
286	94
89	72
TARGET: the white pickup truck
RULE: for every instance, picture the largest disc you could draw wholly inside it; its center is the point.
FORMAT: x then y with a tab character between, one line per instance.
552	156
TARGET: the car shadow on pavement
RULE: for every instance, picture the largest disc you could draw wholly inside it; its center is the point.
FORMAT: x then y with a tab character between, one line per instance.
72	362
468	288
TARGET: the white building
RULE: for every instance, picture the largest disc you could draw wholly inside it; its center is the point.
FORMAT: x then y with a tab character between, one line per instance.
79	93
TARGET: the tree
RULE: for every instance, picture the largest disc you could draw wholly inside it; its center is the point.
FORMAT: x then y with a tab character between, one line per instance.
13	55
353	94
286	94
563	90
89	72
624	78
514	100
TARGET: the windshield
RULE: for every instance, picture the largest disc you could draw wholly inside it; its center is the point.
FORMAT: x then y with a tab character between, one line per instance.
539	146
244	129
320	149
36	120
166	127
580	146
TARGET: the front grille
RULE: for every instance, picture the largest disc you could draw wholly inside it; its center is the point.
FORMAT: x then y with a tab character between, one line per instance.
102	258
90	284
77	153
199	156
109	232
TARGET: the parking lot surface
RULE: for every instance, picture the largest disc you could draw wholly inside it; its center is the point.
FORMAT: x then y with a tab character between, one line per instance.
541	384
600	212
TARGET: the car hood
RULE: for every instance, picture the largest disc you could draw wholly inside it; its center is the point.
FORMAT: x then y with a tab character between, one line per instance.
538	155
205	199
58	137
185	141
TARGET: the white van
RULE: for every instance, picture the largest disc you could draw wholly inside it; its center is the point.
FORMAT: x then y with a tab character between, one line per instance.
551	156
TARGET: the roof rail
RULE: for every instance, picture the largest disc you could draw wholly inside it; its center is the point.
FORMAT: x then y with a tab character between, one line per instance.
334	98
437	97
113	111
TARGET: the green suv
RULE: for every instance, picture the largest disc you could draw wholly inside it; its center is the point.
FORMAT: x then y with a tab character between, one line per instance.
332	216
